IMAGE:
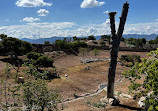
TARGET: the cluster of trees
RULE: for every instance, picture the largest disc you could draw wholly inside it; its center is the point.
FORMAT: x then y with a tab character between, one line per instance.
140	42
136	42
153	41
34	94
132	59
149	68
91	37
68	45
34	61
40	60
14	46
47	43
105	37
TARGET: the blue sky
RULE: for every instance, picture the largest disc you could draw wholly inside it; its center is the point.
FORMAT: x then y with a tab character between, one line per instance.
47	18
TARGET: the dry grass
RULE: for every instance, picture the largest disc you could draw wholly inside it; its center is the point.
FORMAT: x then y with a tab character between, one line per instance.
81	81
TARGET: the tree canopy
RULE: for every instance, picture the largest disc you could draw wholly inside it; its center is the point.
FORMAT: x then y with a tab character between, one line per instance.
149	68
91	37
14	46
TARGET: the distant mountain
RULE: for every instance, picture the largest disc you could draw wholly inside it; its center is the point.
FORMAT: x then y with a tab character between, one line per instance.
41	40
137	36
53	39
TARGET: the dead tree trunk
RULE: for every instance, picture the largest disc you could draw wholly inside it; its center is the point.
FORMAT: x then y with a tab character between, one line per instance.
116	38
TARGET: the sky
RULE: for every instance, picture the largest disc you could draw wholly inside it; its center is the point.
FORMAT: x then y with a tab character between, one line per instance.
67	18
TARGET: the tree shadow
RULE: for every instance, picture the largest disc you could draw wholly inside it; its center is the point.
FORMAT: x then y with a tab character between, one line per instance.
130	107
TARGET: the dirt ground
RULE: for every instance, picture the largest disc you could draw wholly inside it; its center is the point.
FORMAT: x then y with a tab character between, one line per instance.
81	81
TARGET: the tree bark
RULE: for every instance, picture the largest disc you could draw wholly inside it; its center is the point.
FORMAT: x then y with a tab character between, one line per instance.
115	47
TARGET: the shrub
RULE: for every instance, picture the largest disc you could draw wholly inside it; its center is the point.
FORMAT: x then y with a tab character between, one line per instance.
130	64
130	58
149	68
46	42
44	61
67	45
91	37
33	55
35	93
39	59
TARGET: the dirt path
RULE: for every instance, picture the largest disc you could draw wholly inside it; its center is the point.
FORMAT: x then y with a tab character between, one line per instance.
100	89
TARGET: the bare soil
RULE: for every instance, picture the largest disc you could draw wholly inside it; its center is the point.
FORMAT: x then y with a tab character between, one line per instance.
81	81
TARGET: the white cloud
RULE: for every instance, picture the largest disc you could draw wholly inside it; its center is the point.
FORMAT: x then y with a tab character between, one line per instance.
107	22
42	12
30	19
91	3
69	29
156	20
32	3
106	11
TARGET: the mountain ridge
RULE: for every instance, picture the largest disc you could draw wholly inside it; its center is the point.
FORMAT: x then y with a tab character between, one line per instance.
53	39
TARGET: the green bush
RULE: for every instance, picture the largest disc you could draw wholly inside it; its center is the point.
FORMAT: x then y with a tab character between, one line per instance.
91	37
67	45
130	64
35	93
44	61
39	59
14	46
33	55
148	69
130	58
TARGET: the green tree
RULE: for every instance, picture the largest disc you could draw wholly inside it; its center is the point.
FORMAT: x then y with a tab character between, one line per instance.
83	51
14	46
36	60
74	38
105	37
40	60
151	42
143	40
35	93
2	36
96	52
149	68
91	37
33	55
46	42
44	61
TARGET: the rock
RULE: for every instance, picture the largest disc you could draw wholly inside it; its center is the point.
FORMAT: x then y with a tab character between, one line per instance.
114	101
20	80
140	102
104	100
88	68
125	95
